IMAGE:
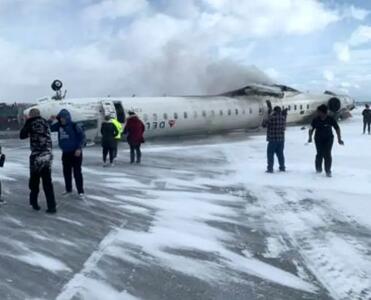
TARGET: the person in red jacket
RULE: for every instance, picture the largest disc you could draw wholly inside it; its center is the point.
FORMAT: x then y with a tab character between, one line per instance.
134	131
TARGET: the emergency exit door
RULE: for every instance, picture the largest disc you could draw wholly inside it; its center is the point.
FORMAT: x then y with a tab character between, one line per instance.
109	109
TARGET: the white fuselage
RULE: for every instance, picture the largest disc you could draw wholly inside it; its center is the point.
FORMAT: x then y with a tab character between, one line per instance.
177	116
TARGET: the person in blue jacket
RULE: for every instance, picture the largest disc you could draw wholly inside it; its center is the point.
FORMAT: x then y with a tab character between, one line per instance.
71	138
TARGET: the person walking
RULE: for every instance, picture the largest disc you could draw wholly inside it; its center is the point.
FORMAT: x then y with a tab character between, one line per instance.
2	162
37	129
324	139
109	132
118	136
134	130
276	127
366	119
71	138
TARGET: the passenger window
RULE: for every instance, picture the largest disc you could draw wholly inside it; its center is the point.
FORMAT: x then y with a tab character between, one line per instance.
308	107
204	113
229	112
289	107
301	107
213	113
145	117
236	111
154	117
260	111
295	107
195	114
185	115
165	116
221	113
175	116
250	111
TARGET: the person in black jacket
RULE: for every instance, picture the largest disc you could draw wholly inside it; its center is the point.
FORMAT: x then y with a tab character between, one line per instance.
324	138
37	129
366	119
109	132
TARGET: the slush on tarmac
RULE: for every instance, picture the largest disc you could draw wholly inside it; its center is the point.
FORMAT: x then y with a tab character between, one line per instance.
198	219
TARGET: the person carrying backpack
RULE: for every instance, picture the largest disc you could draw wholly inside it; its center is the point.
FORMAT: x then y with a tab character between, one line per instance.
71	138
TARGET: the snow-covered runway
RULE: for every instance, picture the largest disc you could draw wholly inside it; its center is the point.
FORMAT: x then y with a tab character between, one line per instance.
198	220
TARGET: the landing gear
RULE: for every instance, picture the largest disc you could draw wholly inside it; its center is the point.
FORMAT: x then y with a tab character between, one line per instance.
57	87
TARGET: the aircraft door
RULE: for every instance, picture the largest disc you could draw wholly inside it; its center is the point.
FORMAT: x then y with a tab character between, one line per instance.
120	112
108	109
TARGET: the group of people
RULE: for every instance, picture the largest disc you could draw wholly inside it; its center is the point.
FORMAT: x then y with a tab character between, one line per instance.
71	139
112	131
321	127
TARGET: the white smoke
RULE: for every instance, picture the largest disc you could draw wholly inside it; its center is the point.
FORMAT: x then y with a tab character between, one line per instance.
181	72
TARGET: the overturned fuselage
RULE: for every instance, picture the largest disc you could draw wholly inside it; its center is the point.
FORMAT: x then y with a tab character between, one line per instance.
244	109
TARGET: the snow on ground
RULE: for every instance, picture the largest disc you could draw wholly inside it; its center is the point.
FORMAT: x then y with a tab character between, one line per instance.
320	216
198	220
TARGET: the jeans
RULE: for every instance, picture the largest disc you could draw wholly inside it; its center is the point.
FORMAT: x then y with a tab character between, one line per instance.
135	151
72	162
34	185
324	148
276	148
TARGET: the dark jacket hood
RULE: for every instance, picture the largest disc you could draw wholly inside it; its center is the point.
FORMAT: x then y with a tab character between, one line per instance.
65	114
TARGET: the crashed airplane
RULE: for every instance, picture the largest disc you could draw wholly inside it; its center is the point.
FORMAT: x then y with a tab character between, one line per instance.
242	109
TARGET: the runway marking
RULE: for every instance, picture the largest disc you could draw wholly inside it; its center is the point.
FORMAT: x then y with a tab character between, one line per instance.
72	287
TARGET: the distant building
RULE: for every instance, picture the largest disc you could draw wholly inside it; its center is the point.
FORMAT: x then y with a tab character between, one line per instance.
11	115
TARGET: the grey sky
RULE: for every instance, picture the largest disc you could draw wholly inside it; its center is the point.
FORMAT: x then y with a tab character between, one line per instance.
121	47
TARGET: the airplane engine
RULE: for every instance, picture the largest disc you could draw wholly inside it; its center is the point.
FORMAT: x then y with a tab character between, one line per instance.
334	105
